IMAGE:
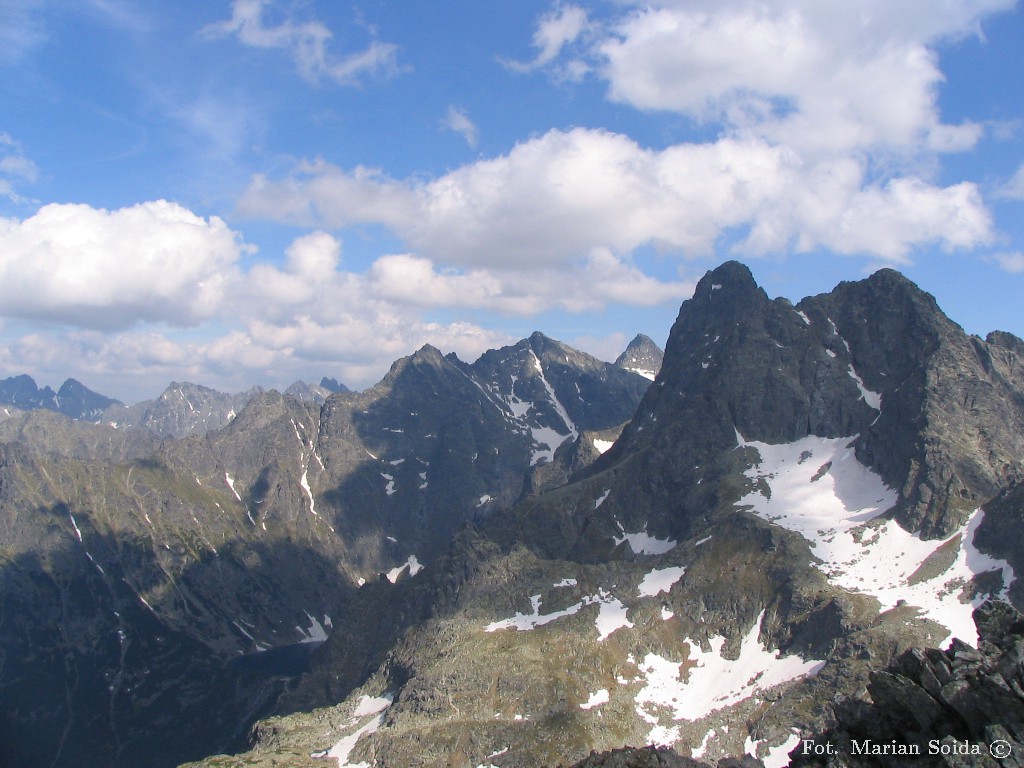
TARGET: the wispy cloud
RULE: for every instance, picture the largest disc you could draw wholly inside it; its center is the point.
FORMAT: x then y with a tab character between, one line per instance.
15	169
458	121
1010	262
308	43
22	28
1014	188
556	31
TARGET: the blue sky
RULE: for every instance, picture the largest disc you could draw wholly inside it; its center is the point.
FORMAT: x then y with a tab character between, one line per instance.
240	192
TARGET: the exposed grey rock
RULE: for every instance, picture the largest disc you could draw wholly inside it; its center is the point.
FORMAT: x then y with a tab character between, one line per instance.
950	433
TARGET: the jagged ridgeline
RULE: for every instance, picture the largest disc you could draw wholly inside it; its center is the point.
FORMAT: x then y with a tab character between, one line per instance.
803	493
166	567
506	575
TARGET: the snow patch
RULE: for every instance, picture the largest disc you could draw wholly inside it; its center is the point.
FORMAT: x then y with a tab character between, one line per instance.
600	500
412	564
603	445
698	752
315	632
816	487
778	757
610	617
597	698
643	543
533	619
547	440
647	374
78	533
714	682
660	580
377	707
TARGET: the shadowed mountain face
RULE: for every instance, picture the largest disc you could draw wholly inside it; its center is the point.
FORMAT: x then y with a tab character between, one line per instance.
143	578
804	492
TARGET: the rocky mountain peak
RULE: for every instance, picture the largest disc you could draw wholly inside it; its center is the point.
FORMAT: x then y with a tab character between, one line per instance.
333	385
641	356
1006	341
732	277
73	399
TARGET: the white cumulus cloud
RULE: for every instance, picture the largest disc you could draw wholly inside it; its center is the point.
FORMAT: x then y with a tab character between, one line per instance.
155	261
816	76
556	198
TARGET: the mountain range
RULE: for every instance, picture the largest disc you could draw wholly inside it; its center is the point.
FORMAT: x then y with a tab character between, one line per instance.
165	570
517	561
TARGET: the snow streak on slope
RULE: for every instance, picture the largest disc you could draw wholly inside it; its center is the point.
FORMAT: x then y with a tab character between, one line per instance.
714	682
547	436
377	706
817	488
611	615
873	399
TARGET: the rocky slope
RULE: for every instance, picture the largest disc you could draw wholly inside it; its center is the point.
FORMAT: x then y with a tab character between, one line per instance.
797	499
181	410
958	707
140	575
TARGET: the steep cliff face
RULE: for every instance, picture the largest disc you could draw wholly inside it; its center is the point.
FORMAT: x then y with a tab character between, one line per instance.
950	433
754	542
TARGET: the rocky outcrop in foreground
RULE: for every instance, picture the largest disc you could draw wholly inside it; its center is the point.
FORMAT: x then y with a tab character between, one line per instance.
952	708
